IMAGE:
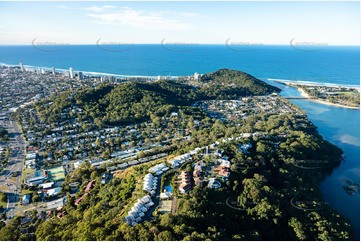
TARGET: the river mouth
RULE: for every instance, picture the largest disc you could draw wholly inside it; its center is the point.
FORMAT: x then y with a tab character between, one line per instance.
340	126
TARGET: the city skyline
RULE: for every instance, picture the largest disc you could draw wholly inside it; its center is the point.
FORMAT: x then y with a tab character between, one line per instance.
265	23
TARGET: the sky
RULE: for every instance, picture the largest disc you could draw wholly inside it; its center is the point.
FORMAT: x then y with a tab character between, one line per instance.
330	23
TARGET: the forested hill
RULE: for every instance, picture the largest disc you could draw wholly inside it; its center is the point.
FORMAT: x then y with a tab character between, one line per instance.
136	101
228	83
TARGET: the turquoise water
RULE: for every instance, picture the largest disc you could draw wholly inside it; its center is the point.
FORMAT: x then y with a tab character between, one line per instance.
341	127
168	188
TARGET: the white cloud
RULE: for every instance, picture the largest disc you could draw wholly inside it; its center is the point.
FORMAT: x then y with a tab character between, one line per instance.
99	9
140	19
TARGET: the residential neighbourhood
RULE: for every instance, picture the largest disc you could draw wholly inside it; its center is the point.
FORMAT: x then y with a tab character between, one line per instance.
54	151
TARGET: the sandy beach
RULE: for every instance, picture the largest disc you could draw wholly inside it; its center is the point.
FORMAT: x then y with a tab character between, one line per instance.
304	94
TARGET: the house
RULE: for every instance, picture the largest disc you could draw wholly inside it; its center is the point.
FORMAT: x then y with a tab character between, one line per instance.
213	183
185	188
123	165
145	199
245	147
224	163
224	172
53	192
165	195
46	185
26	199
105	178
30	156
36	177
157	168
30	164
150	183
197	181
138	210
77	164
25	220
186	185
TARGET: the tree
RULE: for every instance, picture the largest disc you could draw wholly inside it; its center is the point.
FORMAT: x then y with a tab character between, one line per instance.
36	198
4	134
2	224
165	236
10	231
144	235
3	197
166	220
297	228
106	154
263	148
188	168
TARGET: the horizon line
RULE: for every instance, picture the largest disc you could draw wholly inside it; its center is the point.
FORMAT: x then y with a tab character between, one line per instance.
311	44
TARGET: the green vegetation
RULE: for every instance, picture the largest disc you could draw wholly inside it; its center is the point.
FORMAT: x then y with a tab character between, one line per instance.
275	184
136	102
99	215
231	84
264	192
337	95
3	197
4	134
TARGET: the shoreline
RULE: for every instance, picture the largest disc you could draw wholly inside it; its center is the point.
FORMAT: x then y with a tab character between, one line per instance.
313	84
304	94
87	73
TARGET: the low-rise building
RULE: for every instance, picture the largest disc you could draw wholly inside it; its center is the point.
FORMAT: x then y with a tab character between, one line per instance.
213	183
26	199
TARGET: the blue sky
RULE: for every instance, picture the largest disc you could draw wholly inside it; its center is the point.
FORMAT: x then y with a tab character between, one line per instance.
332	23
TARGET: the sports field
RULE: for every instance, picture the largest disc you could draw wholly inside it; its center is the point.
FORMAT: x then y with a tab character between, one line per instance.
57	173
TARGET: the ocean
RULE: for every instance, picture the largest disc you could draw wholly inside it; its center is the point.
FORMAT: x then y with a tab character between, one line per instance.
330	64
322	64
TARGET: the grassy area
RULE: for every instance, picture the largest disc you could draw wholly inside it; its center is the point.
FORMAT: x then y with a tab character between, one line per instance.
26	191
4	188
348	93
165	206
25	172
13	179
3	204
57	173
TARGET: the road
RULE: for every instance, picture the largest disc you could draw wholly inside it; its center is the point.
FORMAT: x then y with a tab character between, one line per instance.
8	183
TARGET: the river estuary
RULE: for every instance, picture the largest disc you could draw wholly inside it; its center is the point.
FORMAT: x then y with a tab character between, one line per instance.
340	126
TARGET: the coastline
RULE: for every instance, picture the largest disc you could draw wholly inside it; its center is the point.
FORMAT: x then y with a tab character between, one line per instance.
86	73
313	84
304	94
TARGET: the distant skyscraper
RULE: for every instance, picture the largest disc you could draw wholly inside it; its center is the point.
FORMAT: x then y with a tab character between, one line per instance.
53	71
22	67
80	75
196	76
71	72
